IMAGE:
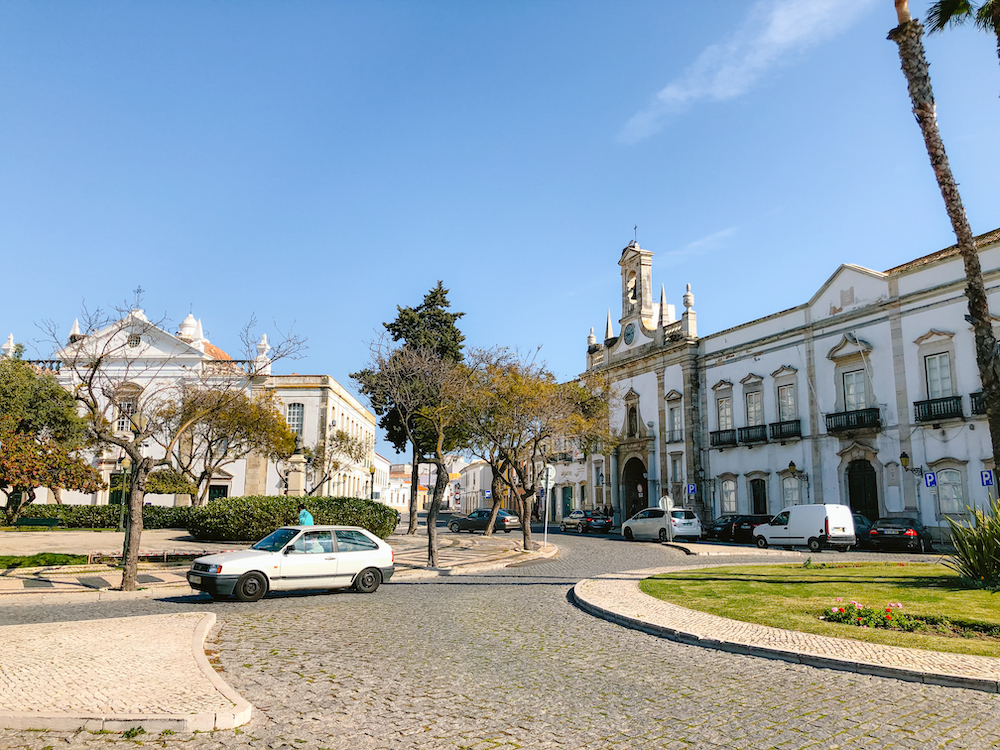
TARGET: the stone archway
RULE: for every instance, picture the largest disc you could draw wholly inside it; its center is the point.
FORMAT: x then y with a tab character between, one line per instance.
635	488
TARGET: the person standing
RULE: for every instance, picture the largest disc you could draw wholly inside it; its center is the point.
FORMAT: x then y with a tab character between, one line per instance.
305	517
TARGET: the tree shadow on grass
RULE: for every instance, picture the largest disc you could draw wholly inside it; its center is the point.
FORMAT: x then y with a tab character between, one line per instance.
939	583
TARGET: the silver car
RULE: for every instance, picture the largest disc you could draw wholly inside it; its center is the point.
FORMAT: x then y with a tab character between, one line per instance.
295	558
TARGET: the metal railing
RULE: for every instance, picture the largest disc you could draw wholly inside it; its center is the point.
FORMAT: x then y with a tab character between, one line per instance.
977	402
860	419
754	434
934	409
675	436
787	429
722	438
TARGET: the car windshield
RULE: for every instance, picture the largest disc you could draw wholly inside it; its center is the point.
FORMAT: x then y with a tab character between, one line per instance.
276	540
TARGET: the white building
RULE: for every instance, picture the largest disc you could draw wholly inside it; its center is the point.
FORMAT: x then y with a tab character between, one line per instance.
825	402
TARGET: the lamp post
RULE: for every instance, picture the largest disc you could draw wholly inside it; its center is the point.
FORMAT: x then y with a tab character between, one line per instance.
904	459
126	464
371	470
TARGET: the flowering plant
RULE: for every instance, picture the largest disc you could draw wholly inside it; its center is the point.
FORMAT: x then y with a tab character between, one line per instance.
864	616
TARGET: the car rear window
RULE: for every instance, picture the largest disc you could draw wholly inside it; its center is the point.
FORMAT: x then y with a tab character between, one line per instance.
686	514
895	522
353	541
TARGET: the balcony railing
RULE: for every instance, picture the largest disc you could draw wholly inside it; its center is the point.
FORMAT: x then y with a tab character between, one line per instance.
675	436
754	434
936	409
722	438
791	428
860	419
978	403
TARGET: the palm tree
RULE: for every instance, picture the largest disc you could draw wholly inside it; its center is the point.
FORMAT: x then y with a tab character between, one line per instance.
911	54
956	12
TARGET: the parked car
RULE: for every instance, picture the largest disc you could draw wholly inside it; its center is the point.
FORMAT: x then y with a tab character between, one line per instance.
812	526
651	523
900	533
583	521
295	558
721	528
861	528
744	526
477	520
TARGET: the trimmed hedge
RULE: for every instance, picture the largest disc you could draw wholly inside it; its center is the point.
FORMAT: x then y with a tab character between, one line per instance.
106	516
248	519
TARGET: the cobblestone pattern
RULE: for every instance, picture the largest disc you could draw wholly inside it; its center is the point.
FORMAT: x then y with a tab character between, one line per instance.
120	666
620	594
504	660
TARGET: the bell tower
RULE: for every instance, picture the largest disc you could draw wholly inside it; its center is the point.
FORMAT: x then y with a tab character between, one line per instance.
637	285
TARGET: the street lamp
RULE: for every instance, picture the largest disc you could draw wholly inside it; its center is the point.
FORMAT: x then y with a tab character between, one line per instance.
904	459
371	470
801	476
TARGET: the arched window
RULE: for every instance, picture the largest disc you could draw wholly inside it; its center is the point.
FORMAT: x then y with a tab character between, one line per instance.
296	418
728	496
950	495
633	422
790	491
127	398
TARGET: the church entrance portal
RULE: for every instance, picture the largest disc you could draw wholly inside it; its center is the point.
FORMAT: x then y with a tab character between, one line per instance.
635	490
862	489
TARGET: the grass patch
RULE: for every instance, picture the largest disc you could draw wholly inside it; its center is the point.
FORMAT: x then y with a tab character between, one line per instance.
795	597
40	560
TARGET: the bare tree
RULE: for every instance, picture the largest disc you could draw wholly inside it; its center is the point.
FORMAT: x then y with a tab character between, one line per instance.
333	453
127	374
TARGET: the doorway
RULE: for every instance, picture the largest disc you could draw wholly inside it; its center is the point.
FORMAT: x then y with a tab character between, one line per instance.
635	489
862	489
758	496
567	501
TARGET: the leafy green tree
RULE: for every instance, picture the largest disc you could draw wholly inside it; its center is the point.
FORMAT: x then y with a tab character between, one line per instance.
331	454
427	327
985	15
908	36
41	438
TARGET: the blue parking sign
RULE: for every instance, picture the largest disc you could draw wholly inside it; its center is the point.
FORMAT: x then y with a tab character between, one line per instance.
987	477
930	479
692	489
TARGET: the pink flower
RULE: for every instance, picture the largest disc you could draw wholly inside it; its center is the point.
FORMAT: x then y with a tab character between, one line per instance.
833	610
839	599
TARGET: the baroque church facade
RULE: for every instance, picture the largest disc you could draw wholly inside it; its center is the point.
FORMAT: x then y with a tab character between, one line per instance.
868	394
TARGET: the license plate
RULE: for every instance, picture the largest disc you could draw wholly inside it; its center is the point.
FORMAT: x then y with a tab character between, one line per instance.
891	531
840	529
194	579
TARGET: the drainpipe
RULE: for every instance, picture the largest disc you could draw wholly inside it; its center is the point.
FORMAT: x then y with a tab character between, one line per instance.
612	477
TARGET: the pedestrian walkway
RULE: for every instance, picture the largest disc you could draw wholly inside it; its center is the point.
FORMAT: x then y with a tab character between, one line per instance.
617	597
156	676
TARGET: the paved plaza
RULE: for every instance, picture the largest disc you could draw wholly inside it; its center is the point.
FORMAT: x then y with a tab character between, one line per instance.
505	659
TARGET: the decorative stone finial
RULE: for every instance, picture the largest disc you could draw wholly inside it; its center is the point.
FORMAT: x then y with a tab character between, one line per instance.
591	339
263	347
609	332
74	333
8	348
688	298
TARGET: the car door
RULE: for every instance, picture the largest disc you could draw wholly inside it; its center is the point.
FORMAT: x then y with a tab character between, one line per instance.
574	520
355	552
308	562
777	530
656	520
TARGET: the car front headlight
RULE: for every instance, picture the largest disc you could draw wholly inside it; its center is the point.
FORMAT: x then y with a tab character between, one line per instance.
215	569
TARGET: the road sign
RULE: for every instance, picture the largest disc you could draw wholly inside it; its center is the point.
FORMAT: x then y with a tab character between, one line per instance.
692	489
489	494
930	479
987	477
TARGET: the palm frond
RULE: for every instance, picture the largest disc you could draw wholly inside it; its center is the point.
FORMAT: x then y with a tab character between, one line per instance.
948	13
988	16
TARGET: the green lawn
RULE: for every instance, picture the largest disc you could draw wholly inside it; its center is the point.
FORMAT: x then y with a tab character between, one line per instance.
38	561
794	597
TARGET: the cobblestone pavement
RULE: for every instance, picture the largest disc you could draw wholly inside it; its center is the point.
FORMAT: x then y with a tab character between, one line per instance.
502	659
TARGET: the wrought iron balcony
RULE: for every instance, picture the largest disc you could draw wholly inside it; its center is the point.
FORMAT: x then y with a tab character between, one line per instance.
722	438
791	428
860	419
978	403
675	436
936	409
754	434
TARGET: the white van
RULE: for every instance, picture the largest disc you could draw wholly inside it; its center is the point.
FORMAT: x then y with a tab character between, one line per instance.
812	526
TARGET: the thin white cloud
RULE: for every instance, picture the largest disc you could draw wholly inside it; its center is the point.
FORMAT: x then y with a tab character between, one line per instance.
772	34
711	243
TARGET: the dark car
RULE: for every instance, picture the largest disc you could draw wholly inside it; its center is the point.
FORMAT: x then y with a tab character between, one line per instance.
744	526
721	528
583	521
477	520
861	528
900	533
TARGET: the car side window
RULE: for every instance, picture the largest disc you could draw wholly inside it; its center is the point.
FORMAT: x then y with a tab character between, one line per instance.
657	513
314	543
353	541
642	514
781	519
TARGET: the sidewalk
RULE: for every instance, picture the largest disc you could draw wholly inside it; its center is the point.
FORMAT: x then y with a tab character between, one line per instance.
616	597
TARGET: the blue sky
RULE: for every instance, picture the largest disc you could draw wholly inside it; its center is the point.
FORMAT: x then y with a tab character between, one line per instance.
317	163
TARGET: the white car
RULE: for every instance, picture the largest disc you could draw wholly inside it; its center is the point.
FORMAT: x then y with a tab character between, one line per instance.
651	523
295	558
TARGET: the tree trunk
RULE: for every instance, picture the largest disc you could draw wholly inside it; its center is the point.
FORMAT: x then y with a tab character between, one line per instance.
414	492
911	54
496	487
440	487
25	497
133	528
57	495
524	513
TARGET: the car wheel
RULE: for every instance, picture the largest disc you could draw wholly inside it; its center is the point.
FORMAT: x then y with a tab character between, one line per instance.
628	535
454	527
367	581
663	535
814	545
580	529
762	542
250	587
562	528
843	548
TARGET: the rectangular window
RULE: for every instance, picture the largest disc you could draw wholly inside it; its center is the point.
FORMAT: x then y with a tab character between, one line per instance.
949	489
786	403
725	407
938	375
790	491
855	397
296	418
755	408
675	469
674	419
728	496
126	409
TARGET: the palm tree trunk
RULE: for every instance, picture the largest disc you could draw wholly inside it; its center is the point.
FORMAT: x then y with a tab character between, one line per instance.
911	53
414	491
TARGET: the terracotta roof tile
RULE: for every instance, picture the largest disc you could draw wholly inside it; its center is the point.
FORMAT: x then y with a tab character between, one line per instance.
981	241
